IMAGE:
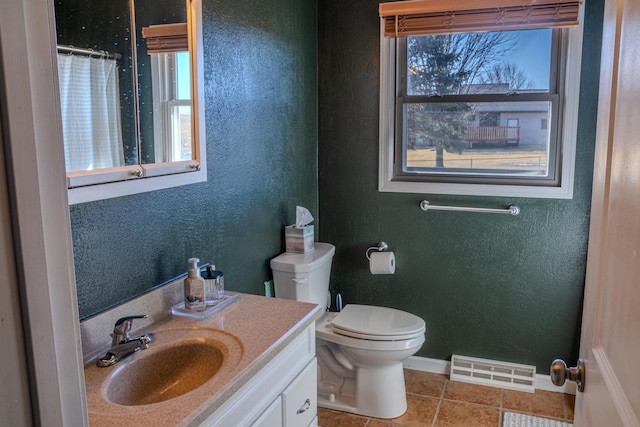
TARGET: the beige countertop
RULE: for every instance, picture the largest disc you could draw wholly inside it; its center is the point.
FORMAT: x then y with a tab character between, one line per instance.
258	329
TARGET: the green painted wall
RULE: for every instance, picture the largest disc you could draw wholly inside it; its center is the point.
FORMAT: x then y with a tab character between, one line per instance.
493	286
261	123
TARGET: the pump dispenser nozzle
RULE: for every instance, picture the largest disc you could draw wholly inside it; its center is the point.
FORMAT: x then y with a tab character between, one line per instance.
209	272
194	271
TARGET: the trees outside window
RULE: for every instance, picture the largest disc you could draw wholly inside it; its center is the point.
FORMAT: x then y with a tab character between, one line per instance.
464	67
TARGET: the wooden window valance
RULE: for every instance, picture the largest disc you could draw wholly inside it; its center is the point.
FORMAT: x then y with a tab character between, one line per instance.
166	38
423	17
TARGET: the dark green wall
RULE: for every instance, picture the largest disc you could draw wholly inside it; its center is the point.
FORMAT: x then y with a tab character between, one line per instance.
493	286
261	122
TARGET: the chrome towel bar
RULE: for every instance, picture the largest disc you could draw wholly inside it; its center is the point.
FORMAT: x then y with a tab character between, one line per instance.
511	210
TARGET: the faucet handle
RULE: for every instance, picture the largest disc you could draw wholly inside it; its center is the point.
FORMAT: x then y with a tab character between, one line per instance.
123	326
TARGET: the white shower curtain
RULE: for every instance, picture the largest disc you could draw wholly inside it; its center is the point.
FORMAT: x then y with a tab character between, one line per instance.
89	96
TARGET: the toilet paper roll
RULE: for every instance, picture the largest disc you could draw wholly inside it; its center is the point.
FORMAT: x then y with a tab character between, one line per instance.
382	263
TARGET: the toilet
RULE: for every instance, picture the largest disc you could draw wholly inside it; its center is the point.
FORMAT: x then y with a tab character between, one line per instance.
360	350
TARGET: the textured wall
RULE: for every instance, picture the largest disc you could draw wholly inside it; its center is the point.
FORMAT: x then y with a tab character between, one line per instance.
494	286
261	123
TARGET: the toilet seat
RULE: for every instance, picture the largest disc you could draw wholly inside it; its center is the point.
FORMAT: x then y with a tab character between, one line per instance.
325	332
377	323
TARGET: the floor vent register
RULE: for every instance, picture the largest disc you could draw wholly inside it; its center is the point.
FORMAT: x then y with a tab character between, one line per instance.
493	373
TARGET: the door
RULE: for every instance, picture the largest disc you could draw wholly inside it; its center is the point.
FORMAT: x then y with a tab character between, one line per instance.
610	344
15	400
32	165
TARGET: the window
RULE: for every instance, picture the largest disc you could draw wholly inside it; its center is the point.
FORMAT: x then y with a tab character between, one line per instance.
544	123
462	107
172	106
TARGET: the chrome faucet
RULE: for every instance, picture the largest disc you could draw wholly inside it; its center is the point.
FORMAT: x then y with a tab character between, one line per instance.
122	343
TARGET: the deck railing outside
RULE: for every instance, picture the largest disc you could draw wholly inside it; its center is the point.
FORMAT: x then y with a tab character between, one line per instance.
492	133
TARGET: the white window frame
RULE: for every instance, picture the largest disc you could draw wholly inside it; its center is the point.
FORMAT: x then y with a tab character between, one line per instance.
387	181
164	86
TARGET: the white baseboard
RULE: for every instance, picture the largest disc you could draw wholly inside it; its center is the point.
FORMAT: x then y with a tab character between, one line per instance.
543	382
437	366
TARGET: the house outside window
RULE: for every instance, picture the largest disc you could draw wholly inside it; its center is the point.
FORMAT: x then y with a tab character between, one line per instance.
461	112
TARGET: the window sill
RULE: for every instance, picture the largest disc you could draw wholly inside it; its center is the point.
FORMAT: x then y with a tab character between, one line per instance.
562	192
89	187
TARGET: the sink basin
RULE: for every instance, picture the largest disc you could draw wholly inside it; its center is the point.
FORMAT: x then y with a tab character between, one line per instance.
177	362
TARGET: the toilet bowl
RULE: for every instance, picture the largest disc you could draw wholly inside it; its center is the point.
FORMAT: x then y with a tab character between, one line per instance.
359	370
360	350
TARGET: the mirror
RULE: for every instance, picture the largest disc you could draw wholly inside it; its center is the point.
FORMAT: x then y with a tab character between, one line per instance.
94	43
128	89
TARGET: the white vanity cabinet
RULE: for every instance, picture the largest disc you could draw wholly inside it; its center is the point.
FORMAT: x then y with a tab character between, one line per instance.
283	393
272	416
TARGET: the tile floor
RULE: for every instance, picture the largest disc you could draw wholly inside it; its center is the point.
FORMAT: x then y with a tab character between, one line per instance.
434	401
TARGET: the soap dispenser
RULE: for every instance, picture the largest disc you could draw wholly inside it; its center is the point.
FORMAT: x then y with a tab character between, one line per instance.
194	298
214	285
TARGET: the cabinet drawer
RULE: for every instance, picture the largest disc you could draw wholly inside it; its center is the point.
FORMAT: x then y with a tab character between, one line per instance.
299	400
272	416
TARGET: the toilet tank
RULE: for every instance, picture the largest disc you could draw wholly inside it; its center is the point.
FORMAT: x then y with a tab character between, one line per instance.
304	277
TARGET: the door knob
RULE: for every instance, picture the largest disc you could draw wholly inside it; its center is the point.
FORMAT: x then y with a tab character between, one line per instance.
560	373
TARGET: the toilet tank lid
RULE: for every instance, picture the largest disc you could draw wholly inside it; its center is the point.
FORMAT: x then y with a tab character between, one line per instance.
292	262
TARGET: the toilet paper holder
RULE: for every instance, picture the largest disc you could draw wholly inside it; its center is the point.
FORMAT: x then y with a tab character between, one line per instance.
381	247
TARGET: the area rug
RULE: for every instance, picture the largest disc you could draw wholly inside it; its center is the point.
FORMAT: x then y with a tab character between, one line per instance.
513	419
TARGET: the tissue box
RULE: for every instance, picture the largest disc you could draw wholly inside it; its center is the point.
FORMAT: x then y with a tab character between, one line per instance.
298	240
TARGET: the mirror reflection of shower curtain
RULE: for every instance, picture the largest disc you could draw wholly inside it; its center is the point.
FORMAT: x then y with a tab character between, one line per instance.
89	96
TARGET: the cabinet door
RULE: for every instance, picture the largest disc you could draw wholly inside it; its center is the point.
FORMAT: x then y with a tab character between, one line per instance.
300	398
272	416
